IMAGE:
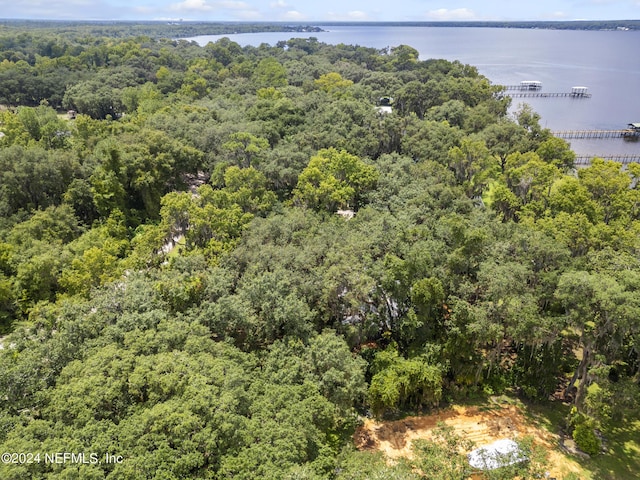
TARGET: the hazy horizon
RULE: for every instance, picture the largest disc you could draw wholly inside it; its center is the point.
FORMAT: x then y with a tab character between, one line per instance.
327	11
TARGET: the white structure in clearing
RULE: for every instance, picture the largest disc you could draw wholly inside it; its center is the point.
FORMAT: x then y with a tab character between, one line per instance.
498	454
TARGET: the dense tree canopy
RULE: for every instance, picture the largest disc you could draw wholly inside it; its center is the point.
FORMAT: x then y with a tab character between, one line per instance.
176	286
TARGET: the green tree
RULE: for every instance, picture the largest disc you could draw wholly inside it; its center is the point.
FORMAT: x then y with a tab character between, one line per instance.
403	383
529	177
603	313
333	84
95	99
248	189
37	278
504	138
338	373
418	97
503	200
557	152
472	165
569	195
32	178
53	225
245	149
334	179
7	303
608	186
270	73
430	140
404	57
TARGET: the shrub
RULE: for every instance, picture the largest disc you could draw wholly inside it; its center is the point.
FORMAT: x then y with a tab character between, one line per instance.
586	439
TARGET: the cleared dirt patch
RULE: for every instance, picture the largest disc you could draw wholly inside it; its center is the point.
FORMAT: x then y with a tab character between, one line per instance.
479	424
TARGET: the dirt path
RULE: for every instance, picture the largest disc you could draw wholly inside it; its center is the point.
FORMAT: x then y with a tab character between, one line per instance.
480	425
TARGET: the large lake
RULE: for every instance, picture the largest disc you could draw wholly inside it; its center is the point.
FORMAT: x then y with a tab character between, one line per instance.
607	62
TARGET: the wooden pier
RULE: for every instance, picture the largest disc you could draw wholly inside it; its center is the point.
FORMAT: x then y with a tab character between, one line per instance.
525	85
627	133
511	88
549	94
624	159
532	89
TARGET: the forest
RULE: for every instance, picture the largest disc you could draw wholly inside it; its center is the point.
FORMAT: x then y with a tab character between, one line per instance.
216	261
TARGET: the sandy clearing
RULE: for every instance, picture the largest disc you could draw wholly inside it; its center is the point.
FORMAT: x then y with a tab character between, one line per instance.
480	425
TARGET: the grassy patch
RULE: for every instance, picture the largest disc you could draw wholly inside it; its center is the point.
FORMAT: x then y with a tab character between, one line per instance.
549	415
622	459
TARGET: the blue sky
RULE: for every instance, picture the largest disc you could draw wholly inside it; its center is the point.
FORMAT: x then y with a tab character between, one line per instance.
309	10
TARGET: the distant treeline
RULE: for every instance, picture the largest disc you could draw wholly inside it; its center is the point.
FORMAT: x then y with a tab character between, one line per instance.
555	25
155	29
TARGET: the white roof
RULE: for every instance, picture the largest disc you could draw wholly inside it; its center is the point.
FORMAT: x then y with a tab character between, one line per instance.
498	454
384	109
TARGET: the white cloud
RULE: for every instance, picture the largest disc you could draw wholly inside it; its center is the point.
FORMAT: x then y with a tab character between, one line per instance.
249	14
237	10
208	6
557	15
294	15
358	15
279	4
456	14
233	5
143	9
354	15
199	5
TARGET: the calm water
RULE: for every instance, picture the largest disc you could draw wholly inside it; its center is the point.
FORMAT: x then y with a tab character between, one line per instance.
607	62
